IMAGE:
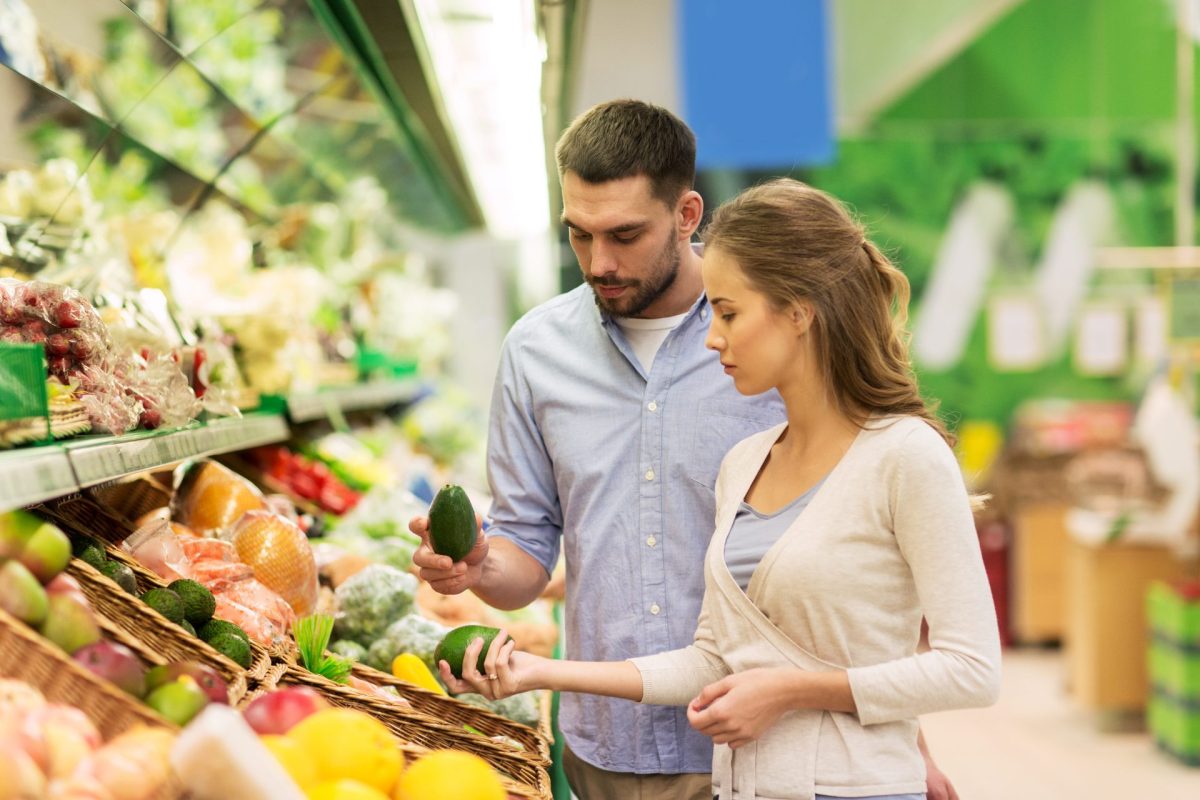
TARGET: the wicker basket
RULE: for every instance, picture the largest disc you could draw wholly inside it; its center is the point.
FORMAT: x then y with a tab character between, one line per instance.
134	497
448	711
28	657
414	728
445	711
521	777
155	631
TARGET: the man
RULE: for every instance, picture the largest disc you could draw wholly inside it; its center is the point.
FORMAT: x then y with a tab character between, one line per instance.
609	421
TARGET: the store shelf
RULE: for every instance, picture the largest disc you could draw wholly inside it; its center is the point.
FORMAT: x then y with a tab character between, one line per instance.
32	475
359	397
108	458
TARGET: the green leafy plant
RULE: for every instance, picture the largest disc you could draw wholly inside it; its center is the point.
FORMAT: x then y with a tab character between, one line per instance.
312	638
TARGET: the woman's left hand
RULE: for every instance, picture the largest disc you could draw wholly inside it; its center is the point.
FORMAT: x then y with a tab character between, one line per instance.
739	708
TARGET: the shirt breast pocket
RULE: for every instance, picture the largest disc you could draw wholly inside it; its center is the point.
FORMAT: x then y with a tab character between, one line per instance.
717	430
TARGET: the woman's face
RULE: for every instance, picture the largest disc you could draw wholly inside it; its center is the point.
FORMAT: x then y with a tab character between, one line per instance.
760	346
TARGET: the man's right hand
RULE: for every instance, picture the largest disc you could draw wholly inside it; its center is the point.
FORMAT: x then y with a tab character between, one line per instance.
444	575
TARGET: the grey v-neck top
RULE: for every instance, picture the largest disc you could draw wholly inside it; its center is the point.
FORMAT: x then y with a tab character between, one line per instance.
754	533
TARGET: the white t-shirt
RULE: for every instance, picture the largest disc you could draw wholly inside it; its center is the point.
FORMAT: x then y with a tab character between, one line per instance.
647	335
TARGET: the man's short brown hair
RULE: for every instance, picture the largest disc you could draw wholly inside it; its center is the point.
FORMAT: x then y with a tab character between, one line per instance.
625	138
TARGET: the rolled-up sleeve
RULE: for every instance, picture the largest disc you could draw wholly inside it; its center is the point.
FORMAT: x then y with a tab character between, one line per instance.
525	506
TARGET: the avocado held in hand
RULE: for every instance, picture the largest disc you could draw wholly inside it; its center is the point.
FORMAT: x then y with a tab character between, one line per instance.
453	647
452	528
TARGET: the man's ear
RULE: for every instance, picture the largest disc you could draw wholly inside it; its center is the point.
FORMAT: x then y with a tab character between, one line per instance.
689	212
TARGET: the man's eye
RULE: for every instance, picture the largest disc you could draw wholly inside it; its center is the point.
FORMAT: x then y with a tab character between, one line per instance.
626	239
580	235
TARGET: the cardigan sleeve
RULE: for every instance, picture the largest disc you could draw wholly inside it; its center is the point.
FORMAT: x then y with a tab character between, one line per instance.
935	531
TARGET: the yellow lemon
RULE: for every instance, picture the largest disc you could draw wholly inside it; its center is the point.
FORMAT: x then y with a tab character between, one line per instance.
292	758
346	744
344	790
450	773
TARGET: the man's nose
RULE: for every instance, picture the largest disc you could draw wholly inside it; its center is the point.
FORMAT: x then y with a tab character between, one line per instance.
603	261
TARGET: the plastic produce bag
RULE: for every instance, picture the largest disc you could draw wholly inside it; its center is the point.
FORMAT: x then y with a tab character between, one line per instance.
281	557
209	497
157	548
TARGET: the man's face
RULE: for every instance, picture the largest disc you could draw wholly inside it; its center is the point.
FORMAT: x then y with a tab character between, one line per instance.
626	240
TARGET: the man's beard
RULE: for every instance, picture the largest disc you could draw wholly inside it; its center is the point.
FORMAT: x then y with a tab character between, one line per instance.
641	294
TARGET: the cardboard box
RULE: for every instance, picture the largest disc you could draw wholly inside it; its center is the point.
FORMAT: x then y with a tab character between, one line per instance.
1106	630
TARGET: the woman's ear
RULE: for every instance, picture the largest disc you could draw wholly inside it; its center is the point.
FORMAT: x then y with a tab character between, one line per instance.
802	316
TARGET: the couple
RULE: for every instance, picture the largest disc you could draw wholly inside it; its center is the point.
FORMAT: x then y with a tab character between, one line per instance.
792	645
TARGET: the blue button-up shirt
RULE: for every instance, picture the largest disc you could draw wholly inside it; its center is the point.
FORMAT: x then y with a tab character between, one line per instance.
590	453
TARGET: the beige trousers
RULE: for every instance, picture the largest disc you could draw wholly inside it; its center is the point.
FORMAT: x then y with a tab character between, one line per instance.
593	783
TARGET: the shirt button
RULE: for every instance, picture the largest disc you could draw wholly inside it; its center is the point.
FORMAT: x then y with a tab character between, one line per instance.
649	474
653	406
654	609
651	541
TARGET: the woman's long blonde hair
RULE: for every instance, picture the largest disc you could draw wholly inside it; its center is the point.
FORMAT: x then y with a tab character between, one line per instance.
795	242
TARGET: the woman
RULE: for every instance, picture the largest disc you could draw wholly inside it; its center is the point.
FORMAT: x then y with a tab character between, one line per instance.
835	531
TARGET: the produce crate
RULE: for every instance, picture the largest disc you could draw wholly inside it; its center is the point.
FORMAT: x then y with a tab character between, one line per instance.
1173	713
157	632
526	771
1175	725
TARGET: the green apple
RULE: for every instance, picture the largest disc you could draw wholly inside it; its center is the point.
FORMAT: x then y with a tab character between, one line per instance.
46	553
178	701
70	623
16	529
21	595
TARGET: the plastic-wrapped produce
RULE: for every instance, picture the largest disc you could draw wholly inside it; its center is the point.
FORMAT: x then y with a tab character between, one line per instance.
79	350
209	497
522	708
281	557
371	600
411	633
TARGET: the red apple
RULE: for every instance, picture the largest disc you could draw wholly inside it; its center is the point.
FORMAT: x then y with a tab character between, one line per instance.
204	676
276	712
116	663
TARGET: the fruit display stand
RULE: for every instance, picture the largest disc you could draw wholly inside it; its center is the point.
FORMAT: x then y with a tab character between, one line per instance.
524	775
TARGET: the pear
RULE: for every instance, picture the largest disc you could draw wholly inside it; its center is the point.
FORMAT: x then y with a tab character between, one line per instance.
21	595
70	623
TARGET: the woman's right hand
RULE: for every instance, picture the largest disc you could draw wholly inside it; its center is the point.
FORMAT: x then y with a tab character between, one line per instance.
508	671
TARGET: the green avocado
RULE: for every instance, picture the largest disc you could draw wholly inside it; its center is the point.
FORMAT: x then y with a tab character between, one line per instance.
452	528
165	602
215	627
453	646
120	574
232	647
198	602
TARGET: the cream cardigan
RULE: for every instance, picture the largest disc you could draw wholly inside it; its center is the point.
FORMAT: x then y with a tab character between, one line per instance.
887	539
